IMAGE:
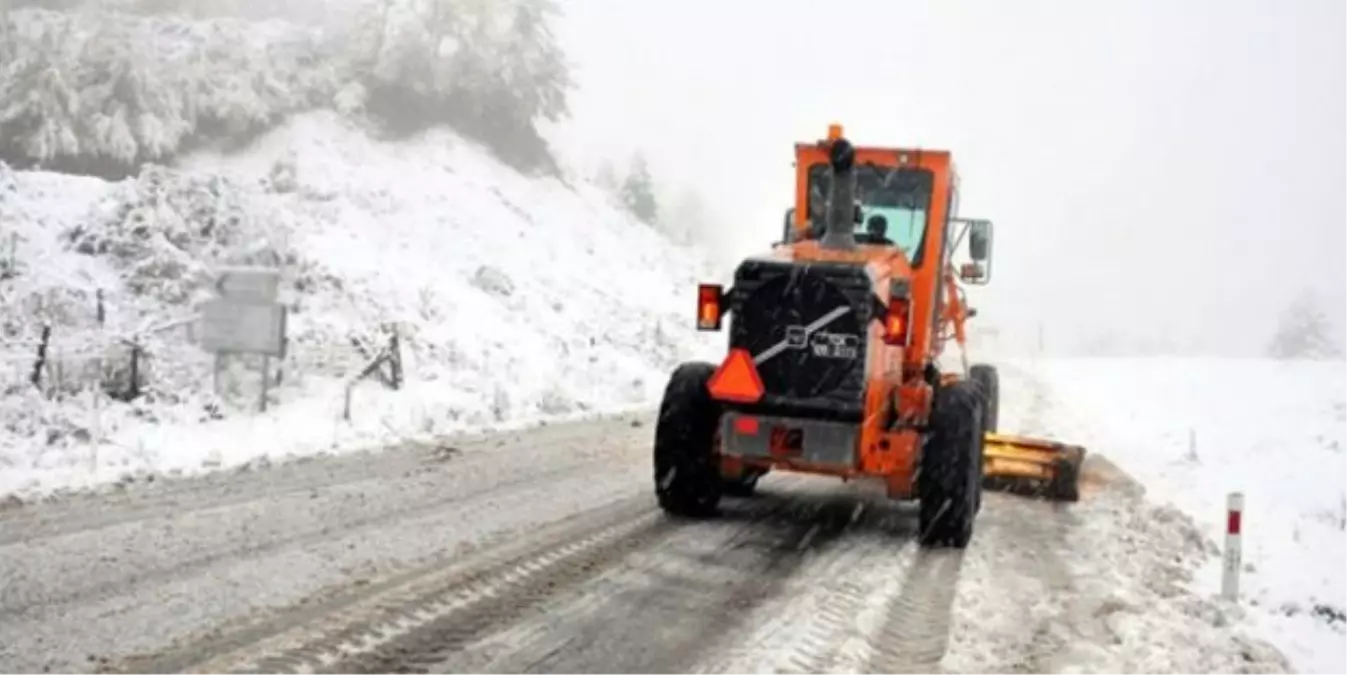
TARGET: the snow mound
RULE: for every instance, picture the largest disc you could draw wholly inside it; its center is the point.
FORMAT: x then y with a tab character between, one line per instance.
1193	430
514	299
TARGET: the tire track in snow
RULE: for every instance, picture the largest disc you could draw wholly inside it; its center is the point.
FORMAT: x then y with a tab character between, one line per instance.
241	599
421	488
656	611
831	612
916	634
1020	588
899	616
486	590
422	618
35	604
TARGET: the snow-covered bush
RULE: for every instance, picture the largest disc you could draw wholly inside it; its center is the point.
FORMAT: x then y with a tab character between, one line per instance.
166	229
26	413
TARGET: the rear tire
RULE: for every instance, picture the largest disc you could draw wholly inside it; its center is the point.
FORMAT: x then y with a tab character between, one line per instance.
949	484
687	479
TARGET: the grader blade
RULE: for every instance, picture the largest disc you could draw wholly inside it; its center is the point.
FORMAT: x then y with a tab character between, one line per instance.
1034	466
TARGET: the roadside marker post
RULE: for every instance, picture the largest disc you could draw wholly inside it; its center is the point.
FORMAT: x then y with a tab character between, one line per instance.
1234	517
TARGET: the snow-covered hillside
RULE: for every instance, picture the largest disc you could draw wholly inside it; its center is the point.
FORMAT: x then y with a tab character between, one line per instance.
514	299
1193	430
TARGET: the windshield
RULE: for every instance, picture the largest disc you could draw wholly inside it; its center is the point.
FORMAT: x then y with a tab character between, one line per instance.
894	203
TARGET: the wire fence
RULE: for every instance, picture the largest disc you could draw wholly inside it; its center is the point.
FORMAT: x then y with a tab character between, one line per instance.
79	347
164	355
62	360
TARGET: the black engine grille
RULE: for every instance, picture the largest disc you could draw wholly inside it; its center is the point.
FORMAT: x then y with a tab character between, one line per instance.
805	324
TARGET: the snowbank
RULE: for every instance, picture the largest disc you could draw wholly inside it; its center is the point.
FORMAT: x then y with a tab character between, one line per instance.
1272	430
515	299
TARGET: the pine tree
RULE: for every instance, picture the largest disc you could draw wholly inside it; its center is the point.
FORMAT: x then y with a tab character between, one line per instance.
1304	332
638	192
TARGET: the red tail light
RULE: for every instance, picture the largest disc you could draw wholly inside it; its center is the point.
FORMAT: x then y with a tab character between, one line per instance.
708	306
898	322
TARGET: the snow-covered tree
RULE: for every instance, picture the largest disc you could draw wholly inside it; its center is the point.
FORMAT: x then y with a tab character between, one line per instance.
101	92
38	99
112	84
638	191
492	69
1304	332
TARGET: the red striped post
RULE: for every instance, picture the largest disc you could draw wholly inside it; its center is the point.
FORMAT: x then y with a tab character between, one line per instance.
1234	516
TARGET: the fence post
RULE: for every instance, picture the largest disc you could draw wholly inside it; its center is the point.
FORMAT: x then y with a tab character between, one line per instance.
395	358
266	381
134	392
102	315
1234	516
41	356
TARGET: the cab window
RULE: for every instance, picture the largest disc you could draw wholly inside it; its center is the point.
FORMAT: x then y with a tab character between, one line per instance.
895	204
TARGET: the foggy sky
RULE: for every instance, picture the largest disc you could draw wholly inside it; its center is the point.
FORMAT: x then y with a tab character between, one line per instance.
1154	169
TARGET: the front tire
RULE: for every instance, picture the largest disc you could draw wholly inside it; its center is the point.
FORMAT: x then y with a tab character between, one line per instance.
949	484
989	382
687	479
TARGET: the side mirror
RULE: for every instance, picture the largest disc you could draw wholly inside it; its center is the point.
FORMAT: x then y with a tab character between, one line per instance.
979	240
788	227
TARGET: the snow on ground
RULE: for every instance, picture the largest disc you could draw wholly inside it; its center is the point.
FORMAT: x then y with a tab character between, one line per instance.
1272	430
515	299
1104	585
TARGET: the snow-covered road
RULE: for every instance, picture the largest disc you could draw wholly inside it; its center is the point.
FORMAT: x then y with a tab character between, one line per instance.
542	550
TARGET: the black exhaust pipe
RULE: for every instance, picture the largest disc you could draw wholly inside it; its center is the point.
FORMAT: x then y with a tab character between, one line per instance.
840	218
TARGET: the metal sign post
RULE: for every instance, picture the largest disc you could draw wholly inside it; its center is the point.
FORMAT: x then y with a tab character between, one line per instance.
245	319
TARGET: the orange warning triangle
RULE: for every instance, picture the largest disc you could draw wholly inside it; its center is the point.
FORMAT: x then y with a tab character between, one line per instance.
737	380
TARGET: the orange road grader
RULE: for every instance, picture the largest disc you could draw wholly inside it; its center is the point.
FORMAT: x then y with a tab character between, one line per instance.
834	342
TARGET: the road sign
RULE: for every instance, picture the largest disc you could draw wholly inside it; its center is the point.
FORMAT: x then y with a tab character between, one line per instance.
245	319
233	327
249	284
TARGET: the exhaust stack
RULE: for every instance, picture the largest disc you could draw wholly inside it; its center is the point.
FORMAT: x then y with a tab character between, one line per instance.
839	220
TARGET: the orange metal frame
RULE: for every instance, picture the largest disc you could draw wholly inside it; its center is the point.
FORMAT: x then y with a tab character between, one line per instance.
896	381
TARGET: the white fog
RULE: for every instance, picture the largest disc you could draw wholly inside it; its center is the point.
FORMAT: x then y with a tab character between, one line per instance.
1168	174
